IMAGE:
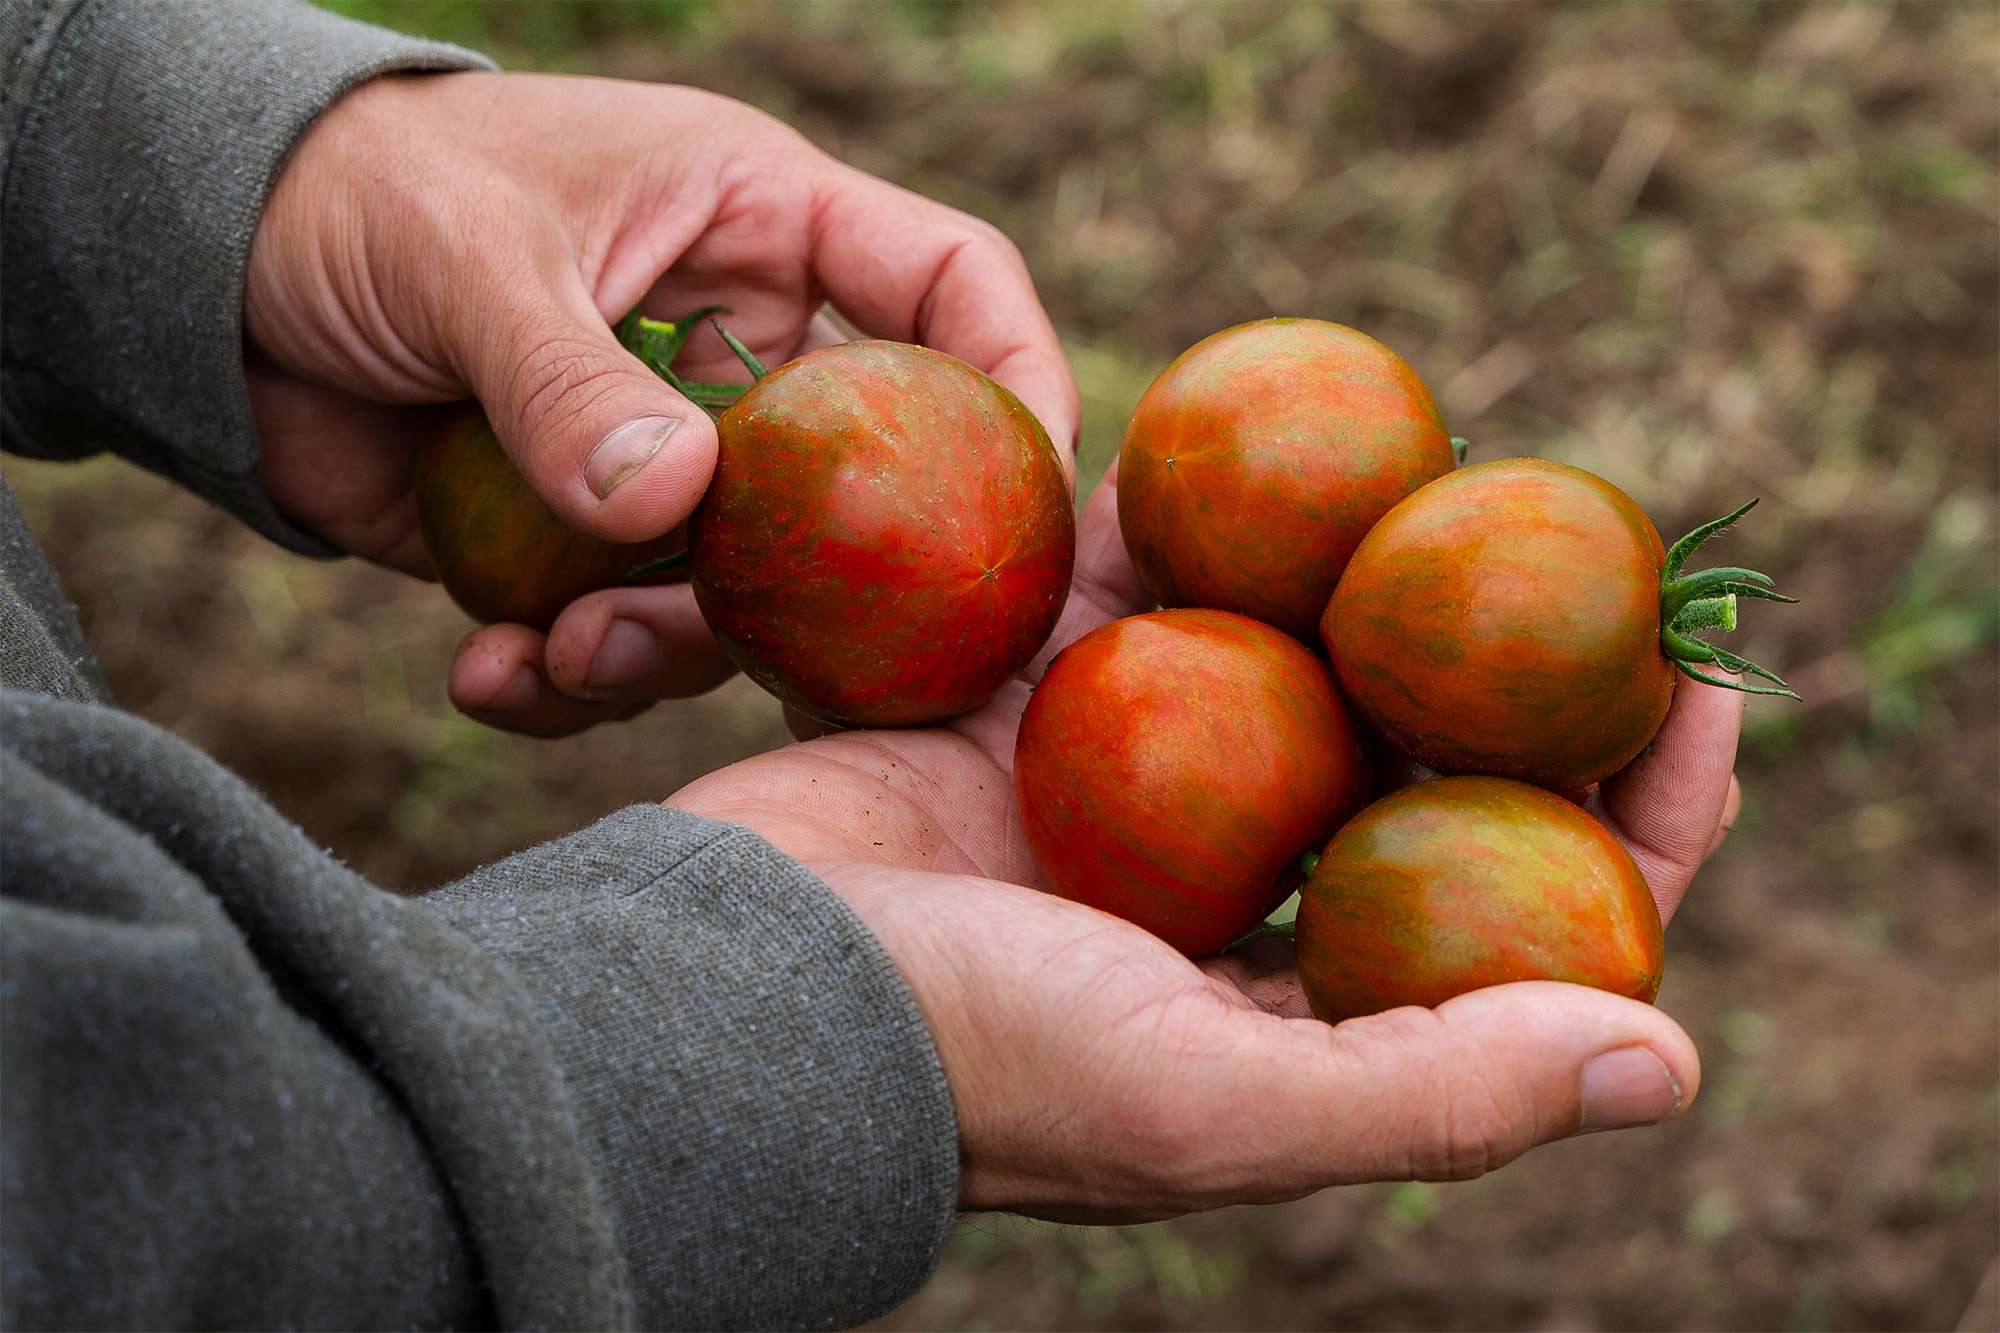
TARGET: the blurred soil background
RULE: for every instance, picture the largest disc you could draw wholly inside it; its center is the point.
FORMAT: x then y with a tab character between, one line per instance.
1708	250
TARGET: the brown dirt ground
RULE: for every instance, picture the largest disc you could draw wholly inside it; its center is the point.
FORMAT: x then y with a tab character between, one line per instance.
1707	250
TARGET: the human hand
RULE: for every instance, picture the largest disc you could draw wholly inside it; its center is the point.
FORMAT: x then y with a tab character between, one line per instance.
1101	1076
445	235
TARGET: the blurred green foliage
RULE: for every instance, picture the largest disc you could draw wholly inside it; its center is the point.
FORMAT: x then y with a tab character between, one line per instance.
1413	1204
551	34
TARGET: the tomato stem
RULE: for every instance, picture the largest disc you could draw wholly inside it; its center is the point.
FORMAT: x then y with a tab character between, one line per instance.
1690	603
659	566
1717	613
1280	930
657	342
743	354
1460	447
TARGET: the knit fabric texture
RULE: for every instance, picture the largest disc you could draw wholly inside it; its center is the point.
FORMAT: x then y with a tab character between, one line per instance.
654	1074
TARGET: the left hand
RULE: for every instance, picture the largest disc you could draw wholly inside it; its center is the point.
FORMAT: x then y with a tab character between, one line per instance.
1101	1076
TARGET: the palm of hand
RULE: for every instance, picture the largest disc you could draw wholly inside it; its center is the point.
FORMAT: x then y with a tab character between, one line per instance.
1099	1074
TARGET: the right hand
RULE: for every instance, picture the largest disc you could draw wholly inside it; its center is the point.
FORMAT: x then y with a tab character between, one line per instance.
441	236
1100	1076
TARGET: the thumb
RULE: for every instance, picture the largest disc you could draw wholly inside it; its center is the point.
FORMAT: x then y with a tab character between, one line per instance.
1453	1092
603	440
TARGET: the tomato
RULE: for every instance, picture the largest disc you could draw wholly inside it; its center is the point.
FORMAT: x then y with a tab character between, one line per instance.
1258	460
1450	885
1171	767
888	536
500	552
1521	619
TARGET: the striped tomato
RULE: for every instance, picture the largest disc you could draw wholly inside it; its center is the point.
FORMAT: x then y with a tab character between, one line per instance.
1171	768
500	552
888	536
1447	886
1521	619
1258	460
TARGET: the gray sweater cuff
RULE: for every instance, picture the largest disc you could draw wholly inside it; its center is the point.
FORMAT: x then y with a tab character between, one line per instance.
145	137
765	1100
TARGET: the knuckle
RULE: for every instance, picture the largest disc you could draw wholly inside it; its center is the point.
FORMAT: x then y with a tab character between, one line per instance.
1471	1133
559	380
1451	1119
985	236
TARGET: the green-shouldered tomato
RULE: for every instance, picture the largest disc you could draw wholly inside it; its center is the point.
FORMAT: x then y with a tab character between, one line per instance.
1521	619
1451	885
1260	458
500	552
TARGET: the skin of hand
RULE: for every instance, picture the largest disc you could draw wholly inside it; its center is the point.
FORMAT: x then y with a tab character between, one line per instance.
1100	1076
436	237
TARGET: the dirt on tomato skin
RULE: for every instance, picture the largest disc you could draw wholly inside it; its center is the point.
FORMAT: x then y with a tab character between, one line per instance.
1505	620
1171	768
1257	461
888	537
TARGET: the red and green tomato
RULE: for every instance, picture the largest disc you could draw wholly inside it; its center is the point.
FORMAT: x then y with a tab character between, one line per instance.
1172	767
1521	619
1451	885
1260	458
500	552
888	536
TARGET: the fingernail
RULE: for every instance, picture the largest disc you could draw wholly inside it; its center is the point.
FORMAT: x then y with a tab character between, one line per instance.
624	451
1626	1087
628	655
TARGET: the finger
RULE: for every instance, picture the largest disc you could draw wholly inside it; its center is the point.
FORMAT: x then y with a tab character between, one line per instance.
822	331
904	267
497	678
1453	1092
1732	808
602	439
1667	804
1105	586
342	467
634	645
1263	974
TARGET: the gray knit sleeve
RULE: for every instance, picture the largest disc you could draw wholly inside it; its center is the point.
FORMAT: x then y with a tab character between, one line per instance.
140	140
654	1074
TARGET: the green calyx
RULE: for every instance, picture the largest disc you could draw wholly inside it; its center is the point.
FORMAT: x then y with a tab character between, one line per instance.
1692	603
1270	930
660	566
658	341
743	354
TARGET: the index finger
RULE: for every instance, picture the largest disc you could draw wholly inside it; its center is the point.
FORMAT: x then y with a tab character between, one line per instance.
905	267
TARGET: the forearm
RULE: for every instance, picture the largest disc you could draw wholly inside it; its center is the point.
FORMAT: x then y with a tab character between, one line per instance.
141	139
597	1084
